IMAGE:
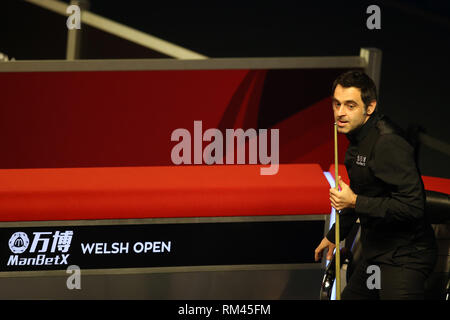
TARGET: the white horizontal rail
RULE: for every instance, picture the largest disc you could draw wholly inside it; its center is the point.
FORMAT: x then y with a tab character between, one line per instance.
171	64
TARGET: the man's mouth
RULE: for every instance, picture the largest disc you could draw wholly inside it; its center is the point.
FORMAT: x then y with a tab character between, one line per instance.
341	123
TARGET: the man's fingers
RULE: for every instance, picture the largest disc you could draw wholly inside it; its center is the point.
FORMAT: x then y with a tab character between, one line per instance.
317	253
334	192
330	253
335	203
334	198
324	244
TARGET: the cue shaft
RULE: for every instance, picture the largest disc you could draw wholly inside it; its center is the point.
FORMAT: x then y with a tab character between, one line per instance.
337	227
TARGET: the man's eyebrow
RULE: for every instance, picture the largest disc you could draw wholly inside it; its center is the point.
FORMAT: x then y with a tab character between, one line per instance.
346	101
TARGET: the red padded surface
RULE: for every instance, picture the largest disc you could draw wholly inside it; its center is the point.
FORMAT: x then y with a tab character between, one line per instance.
436	184
430	183
342	171
148	192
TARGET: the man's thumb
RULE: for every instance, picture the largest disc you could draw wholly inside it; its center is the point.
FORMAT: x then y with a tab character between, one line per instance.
341	183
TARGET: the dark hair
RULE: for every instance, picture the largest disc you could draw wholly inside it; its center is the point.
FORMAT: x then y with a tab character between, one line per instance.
360	80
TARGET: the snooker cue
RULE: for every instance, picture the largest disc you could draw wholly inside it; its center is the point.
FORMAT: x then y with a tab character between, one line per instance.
337	236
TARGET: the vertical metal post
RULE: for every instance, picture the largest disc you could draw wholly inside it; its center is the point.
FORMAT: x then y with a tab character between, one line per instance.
73	49
372	57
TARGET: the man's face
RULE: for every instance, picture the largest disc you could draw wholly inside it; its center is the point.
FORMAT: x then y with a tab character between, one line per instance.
348	109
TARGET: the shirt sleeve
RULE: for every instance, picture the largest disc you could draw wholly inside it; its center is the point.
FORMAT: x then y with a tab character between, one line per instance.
347	218
394	164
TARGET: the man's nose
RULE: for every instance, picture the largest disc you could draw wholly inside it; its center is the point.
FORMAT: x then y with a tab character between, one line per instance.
340	111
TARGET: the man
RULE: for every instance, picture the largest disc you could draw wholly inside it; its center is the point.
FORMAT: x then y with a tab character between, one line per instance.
386	193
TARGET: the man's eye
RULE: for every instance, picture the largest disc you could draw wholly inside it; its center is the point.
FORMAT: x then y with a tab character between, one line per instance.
351	106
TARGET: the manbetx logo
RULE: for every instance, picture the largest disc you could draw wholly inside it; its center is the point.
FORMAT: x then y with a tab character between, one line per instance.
50	247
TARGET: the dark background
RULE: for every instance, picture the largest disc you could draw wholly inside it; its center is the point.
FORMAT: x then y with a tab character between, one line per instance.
414	38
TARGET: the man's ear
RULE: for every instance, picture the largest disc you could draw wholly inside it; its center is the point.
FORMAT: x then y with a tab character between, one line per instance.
371	107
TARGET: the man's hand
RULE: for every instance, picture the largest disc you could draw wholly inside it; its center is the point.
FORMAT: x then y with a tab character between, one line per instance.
324	244
345	198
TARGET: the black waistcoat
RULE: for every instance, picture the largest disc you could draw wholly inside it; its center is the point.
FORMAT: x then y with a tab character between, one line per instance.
381	238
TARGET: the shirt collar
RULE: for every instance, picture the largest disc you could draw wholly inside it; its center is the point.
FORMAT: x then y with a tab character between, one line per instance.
360	133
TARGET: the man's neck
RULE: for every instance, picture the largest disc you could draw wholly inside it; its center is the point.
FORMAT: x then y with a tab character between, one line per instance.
359	133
